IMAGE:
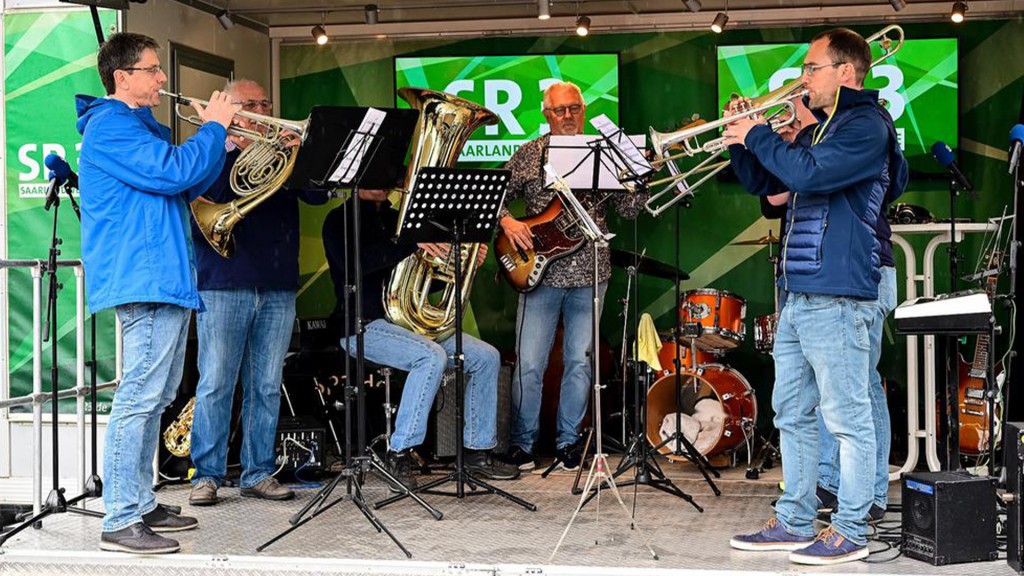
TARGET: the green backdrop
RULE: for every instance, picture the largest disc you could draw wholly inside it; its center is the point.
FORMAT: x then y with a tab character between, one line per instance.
665	78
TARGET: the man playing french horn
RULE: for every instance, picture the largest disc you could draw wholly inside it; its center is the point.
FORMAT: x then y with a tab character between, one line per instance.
388	344
246	327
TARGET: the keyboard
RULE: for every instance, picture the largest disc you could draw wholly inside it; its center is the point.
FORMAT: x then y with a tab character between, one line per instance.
966	312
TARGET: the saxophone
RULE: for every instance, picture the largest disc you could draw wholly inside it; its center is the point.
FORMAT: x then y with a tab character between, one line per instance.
445	123
178	435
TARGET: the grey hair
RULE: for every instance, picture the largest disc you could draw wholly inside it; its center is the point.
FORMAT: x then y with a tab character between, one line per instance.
232	84
568	85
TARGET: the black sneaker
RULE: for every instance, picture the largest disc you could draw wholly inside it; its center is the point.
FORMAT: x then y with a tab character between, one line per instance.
569	456
875	514
162	520
137	539
481	462
827	501
400	464
519	458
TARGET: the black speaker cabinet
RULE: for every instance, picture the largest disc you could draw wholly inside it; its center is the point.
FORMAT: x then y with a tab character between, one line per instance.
1013	455
949	517
445	425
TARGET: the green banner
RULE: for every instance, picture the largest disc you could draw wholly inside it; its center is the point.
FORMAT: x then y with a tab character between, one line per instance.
48	58
918	85
512	88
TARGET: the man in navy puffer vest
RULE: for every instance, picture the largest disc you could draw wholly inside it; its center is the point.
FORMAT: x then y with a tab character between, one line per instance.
830	268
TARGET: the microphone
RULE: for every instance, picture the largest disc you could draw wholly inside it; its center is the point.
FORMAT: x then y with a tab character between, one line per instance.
944	154
1016	140
61	169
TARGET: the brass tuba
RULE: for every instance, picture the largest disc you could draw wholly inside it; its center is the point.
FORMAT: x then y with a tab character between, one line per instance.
445	123
261	169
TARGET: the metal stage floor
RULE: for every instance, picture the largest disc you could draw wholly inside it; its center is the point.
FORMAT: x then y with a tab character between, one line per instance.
480	535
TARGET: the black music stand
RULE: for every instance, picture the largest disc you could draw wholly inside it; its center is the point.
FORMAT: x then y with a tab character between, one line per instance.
363	159
454	206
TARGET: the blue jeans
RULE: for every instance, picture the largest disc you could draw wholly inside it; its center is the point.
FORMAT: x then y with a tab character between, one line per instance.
242	332
152	361
822	356
828	461
536	324
425	360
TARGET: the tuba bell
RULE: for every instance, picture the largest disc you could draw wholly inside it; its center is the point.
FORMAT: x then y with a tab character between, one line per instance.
445	124
261	169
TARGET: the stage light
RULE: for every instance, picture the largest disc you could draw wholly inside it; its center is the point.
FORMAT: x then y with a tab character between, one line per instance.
959	12
319	34
582	26
692	5
898	5
224	18
372	14
719	24
543	9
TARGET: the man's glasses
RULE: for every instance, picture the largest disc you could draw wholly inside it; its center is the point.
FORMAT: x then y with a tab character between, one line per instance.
253	104
561	110
810	69
152	70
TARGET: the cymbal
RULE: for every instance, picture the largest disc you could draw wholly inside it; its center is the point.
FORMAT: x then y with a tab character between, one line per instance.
647	266
762	241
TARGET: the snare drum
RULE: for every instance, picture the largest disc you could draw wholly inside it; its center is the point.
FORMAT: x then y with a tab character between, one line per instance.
667	357
764	332
720	314
721	400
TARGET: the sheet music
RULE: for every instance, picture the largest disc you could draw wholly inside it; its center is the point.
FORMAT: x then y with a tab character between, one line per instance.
574	157
634	158
357	147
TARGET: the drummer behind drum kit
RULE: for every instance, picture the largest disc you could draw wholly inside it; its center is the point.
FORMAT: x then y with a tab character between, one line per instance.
719	404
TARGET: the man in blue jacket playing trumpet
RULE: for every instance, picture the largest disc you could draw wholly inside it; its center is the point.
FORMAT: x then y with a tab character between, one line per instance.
830	268
137	254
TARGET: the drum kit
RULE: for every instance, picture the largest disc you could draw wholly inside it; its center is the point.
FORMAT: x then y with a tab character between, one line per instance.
719	404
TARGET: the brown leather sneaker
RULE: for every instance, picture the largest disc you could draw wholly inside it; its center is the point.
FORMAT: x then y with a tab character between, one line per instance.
269	489
204	493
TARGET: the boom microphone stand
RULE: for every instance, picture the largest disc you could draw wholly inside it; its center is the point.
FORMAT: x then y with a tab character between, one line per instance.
55	501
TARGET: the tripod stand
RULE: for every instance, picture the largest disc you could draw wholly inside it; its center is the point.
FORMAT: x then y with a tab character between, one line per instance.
474	198
55	502
357	162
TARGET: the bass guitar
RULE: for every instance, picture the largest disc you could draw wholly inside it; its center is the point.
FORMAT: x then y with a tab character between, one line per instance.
556	235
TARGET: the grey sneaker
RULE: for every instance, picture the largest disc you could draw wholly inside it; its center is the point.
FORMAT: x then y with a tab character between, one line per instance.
162	520
204	493
137	539
269	489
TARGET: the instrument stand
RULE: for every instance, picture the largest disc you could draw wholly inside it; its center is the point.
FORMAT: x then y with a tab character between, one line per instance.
464	220
55	502
599	475
358	144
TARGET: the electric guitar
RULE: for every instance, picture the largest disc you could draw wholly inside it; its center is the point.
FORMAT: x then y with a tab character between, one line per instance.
973	406
555	236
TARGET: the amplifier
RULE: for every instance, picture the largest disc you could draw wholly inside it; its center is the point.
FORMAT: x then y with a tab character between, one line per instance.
1013	455
295	433
949	517
445	425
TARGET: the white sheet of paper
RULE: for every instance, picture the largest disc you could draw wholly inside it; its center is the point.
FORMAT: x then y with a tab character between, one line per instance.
357	147
565	153
635	161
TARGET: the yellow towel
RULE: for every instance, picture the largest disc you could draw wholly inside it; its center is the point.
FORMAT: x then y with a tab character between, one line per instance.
649	343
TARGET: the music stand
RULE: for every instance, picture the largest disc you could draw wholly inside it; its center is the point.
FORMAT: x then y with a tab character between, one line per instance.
361	160
455	206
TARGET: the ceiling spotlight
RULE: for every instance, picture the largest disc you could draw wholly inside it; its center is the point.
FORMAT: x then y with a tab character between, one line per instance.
582	26
898	5
692	5
319	34
959	10
543	9
224	18
371	14
719	24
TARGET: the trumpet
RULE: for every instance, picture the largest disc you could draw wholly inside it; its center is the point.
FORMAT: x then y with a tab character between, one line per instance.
679	185
261	169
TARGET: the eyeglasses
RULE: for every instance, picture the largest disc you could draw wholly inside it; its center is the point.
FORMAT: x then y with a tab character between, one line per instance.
253	104
152	70
561	110
810	69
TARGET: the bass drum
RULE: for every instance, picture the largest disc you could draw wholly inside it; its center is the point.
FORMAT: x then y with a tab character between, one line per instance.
719	408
